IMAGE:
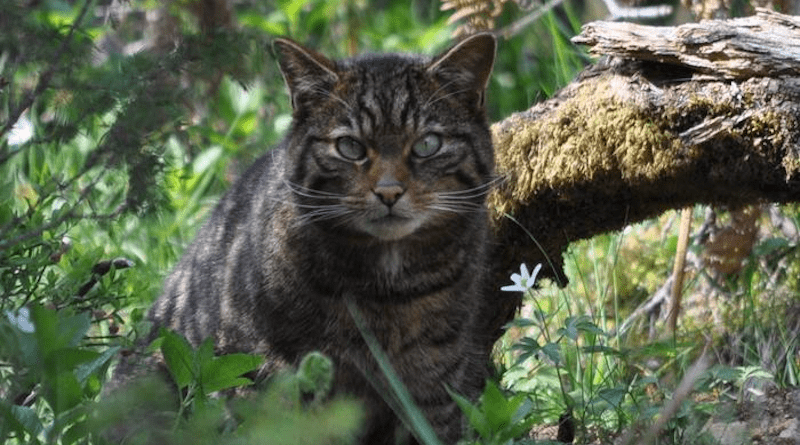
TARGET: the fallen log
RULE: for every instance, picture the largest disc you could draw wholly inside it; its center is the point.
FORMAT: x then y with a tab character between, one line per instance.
669	117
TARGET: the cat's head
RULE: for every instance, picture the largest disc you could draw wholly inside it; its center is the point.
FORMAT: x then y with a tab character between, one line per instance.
385	146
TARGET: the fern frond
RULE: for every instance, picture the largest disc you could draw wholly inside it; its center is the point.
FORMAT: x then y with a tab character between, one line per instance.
479	15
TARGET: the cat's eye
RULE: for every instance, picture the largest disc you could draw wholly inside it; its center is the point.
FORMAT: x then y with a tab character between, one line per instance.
427	146
350	148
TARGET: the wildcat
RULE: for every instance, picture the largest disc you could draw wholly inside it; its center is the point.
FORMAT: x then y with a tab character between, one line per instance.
373	201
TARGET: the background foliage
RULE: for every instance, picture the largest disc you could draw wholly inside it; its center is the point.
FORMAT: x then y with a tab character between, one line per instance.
121	123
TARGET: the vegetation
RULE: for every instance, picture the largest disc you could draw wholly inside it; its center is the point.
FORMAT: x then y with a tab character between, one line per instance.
122	123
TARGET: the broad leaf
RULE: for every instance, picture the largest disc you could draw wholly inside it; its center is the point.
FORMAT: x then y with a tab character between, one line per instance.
179	357
226	371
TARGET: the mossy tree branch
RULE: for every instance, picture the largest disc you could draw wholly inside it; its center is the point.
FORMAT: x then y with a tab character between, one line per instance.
669	124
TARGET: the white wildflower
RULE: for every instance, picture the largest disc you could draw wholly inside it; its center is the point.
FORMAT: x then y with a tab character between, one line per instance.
523	281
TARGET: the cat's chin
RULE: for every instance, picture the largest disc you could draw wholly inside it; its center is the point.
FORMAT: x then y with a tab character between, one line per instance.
391	227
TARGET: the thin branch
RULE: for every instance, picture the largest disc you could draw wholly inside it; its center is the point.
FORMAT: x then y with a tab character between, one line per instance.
44	82
519	25
671	408
69	214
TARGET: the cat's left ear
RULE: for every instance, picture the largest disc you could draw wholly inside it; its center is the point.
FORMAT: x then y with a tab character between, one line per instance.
307	72
467	66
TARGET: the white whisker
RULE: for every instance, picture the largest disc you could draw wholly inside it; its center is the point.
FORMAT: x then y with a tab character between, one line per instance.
434	99
436	94
323	214
456	208
469	193
309	192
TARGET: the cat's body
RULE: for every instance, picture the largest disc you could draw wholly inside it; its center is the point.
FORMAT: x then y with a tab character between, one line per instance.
375	200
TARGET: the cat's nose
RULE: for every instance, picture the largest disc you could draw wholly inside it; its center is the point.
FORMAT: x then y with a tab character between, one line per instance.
389	191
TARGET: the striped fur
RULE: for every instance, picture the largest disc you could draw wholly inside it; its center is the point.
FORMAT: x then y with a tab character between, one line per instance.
354	207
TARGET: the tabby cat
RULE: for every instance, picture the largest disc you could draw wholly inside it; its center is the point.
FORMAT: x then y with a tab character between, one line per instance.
375	200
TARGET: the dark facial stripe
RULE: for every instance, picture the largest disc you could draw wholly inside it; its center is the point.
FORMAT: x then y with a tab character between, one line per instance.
466	179
469	140
367	120
411	103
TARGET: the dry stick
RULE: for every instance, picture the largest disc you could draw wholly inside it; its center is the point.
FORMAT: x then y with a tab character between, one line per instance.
517	27
677	270
671	407
617	11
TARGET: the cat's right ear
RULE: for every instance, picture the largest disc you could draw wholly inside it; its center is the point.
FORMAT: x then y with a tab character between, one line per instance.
305	71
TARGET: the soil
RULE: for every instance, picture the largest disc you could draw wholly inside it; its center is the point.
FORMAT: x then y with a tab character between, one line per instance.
771	418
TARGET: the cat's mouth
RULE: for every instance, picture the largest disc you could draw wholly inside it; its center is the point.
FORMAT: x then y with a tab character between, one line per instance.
391	219
391	227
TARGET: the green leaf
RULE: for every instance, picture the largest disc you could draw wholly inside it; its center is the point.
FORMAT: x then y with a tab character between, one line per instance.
28	349
64	392
204	353
553	352
521	323
84	370
585	324
73	328
529	346
753	372
497	409
178	356
74	433
576	324
55	331
67	360
206	159
476	417
45	325
520	423
728	374
226	371
613	396
23	419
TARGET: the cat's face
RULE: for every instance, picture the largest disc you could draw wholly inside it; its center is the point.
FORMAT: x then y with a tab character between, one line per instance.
385	146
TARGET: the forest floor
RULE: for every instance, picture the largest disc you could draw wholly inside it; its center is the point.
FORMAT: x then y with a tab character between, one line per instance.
771	418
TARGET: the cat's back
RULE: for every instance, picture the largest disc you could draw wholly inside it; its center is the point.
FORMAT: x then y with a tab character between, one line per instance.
192	300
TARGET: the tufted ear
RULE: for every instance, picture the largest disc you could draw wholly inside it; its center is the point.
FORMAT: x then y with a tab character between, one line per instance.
305	71
466	67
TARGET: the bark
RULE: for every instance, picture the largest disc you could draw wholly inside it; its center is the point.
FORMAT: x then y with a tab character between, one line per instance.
672	116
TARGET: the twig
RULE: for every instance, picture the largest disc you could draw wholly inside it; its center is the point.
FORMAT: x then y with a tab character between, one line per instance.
44	82
517	27
658	298
669	410
70	213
